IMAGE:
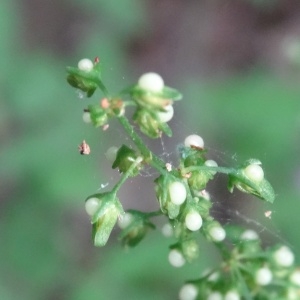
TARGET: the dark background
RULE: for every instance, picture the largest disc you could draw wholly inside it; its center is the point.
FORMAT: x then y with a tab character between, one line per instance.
237	65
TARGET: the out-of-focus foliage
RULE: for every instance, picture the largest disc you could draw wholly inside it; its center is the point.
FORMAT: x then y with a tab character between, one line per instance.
46	249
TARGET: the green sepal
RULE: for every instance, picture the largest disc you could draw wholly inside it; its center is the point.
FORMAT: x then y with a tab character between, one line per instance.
83	80
262	189
136	230
105	217
124	159
162	194
149	123
199	179
192	156
190	249
98	115
154	100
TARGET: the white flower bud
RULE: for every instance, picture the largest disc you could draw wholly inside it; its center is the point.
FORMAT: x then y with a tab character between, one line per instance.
193	221
86	65
232	295
111	153
249	235
125	220
211	163
188	292
167	115
263	276
167	230
151	82
86	117
254	172
295	277
91	205
215	296
176	258
177	192
217	233
194	140
284	257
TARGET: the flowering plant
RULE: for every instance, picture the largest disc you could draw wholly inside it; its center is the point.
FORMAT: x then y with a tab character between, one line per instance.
247	270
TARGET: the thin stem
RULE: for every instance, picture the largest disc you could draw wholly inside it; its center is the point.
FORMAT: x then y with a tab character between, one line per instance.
126	174
103	88
207	168
154	213
154	160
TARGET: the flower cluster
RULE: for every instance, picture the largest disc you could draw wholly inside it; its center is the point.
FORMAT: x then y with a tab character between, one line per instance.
247	271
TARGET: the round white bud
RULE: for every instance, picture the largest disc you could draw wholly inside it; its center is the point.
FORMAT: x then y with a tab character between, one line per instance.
284	257
193	221
194	140
167	115
125	220
188	292
249	235
215	296
211	163
177	192
86	117
176	258
167	230
111	153
217	233
91	205
232	295
151	82
295	277
86	65
263	276
254	172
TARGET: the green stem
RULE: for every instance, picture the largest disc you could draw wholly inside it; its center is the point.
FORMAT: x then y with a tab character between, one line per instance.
126	175
206	168
154	213
103	88
148	155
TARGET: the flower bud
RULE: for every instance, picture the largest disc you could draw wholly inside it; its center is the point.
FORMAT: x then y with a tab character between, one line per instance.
232	295
111	153
86	117
295	278
91	205
167	230
166	115
283	257
85	65
176	258
215	296
151	82
188	292
194	141
193	221
263	276
177	192
254	172
249	235
217	233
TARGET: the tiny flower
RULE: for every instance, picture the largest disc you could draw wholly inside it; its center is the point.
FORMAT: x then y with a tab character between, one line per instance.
193	221
111	153
176	258
91	205
188	292
86	117
194	141
295	277
254	172
125	220
232	295
177	192
151	82
85	64
249	235
263	276
217	233
215	296
166	115
167	230
284	257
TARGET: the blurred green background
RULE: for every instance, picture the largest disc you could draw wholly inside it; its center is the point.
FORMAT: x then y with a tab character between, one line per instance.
237	64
